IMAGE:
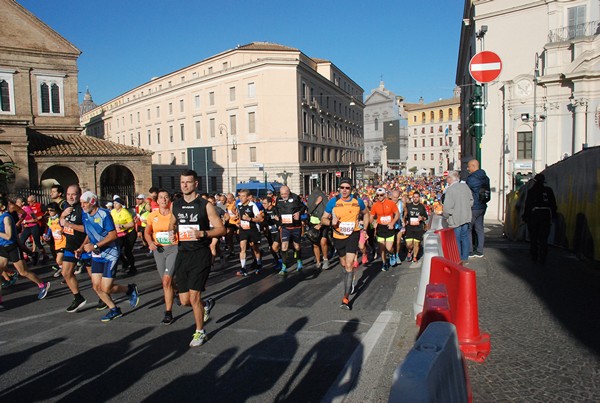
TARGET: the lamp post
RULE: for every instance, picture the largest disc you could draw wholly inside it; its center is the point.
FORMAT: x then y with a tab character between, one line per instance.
535	120
223	127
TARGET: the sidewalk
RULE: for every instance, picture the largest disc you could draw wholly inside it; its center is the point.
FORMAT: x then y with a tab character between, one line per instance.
544	322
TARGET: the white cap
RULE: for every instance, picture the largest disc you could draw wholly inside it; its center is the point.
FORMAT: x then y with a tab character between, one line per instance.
109	204
141	196
89	197
115	197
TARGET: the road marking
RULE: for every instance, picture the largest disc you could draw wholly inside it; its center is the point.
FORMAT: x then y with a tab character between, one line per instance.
336	392
32	317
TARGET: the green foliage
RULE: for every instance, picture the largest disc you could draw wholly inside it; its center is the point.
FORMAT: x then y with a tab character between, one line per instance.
413	170
7	171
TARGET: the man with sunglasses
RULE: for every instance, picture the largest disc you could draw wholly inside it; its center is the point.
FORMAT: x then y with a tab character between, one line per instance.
342	215
387	215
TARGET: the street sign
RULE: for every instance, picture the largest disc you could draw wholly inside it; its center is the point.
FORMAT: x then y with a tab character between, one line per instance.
485	66
338	173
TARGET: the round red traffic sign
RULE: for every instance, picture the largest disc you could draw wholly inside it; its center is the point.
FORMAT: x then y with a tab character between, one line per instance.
338	173
485	66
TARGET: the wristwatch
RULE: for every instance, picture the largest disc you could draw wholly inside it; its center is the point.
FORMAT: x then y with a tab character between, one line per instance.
205	234
95	246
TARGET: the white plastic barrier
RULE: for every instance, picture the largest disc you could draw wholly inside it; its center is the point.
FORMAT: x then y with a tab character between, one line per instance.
433	370
432	246
437	222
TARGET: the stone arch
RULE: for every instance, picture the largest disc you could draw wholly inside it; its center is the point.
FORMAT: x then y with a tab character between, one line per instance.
58	174
117	179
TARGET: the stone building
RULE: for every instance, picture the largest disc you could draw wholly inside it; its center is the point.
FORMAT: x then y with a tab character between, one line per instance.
545	104
40	133
258	111
434	135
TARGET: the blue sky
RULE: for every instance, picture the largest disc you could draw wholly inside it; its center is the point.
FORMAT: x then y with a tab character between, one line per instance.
412	44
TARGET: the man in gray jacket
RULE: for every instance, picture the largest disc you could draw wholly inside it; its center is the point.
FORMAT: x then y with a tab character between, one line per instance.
457	210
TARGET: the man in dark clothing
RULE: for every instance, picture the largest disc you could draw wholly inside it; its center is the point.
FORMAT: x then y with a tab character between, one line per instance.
540	209
476	180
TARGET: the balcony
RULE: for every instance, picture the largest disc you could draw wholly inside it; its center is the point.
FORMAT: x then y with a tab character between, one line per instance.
574	32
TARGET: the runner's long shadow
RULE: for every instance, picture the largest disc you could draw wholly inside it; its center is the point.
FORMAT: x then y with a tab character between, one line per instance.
13	360
328	358
367	276
252	373
281	287
103	372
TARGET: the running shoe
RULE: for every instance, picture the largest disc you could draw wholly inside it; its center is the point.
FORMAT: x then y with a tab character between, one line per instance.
385	267
199	339
13	279
319	265
209	303
299	265
114	313
345	304
76	304
325	264
392	260
101	305
241	273
44	291
476	254
283	270
365	259
57	272
398	260
409	257
134	295
168	319
78	268
279	264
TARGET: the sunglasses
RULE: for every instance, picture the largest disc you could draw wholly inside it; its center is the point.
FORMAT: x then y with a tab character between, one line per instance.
345	187
380	195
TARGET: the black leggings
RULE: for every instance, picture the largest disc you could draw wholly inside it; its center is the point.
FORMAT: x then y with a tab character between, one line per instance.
35	233
126	244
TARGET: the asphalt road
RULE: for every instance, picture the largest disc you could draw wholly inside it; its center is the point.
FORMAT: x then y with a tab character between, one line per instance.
270	339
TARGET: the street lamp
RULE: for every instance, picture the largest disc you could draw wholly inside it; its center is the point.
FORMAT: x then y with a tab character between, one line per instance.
223	127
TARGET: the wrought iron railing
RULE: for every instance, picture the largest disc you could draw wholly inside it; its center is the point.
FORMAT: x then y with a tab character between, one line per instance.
574	31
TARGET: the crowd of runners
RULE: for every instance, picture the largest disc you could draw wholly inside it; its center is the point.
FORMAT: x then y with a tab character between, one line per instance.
189	234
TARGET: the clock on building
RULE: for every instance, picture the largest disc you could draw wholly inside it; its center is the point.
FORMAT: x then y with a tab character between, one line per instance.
524	88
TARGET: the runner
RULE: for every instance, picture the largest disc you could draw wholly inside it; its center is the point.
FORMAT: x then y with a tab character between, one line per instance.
9	250
232	225
193	217
398	228
101	242
288	209
71	220
271	231
215	244
316	207
342	214
126	235
165	251
55	233
249	231
142	209
387	214
415	218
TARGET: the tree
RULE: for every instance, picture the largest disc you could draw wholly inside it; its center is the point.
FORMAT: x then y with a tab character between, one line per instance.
413	170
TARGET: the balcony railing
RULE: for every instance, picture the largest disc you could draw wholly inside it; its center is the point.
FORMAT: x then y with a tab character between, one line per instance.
573	32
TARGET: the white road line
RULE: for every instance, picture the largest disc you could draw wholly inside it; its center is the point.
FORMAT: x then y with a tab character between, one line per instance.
32	317
336	392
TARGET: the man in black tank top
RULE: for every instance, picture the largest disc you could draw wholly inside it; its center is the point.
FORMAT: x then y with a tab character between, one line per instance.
193	217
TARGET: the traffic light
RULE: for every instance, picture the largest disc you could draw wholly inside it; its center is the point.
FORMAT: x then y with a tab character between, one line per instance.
476	113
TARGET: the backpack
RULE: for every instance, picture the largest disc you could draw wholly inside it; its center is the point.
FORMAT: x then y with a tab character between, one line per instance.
485	195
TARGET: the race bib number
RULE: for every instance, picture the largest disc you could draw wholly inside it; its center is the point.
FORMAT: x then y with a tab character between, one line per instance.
287	218
163	238
121	234
245	224
346	228
414	221
57	235
386	219
68	231
187	232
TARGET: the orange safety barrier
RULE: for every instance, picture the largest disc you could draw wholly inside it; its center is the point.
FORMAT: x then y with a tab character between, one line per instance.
461	286
449	245
436	307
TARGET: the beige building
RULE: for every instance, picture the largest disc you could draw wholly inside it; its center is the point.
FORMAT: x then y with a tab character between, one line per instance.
434	135
545	105
39	116
262	110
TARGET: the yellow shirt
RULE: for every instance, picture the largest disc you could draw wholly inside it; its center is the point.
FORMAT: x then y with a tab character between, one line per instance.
122	217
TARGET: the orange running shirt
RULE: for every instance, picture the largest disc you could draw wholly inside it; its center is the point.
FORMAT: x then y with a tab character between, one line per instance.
384	211
159	225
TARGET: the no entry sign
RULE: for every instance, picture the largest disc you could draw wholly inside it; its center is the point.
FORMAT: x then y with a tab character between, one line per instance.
485	66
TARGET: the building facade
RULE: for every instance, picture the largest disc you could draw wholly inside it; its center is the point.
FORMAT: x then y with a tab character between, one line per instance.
434	135
386	132
40	135
545	104
265	111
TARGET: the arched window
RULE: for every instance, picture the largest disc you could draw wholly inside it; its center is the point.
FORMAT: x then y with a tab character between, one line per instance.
376	124
450	114
423	117
4	96
431	116
441	115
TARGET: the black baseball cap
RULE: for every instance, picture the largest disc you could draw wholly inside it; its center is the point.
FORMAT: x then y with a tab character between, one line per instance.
346	180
